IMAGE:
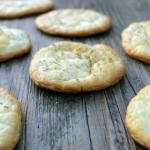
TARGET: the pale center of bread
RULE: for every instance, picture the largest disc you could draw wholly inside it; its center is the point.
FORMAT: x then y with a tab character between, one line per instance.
140	109
63	62
9	119
138	34
12	40
74	19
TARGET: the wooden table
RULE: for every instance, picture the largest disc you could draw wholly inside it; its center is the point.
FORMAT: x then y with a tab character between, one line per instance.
86	121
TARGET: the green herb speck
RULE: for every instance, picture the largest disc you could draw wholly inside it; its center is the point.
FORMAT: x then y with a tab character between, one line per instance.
91	50
6	107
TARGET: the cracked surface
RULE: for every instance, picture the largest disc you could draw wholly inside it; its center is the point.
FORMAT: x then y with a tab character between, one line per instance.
73	22
135	41
21	8
10	120
13	43
74	67
138	117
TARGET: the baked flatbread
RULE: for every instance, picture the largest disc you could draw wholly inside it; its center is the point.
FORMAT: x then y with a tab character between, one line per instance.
10	120
138	117
71	67
15	8
135	41
13	43
73	22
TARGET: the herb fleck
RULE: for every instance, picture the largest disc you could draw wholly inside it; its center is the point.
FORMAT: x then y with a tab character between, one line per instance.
46	69
91	50
6	107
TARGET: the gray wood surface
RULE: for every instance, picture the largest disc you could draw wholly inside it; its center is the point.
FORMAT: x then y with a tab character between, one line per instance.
86	121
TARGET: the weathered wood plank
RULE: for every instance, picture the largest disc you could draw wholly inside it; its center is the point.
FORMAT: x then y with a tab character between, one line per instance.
89	121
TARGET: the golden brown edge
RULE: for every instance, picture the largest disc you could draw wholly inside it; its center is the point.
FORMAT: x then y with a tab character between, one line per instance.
79	33
59	88
28	12
133	136
19	53
20	110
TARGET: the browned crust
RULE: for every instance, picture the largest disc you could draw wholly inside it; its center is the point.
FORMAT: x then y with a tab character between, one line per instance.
134	135
11	55
58	88
79	33
11	98
79	87
26	13
145	57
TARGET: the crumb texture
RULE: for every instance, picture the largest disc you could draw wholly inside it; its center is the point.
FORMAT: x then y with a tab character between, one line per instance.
74	65
75	22
10	120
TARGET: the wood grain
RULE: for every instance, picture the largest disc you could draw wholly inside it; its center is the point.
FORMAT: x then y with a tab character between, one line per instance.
86	121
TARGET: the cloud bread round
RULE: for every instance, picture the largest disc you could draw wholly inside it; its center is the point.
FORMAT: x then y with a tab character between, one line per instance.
15	8
73	22
138	117
135	41
71	67
13	43
10	120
